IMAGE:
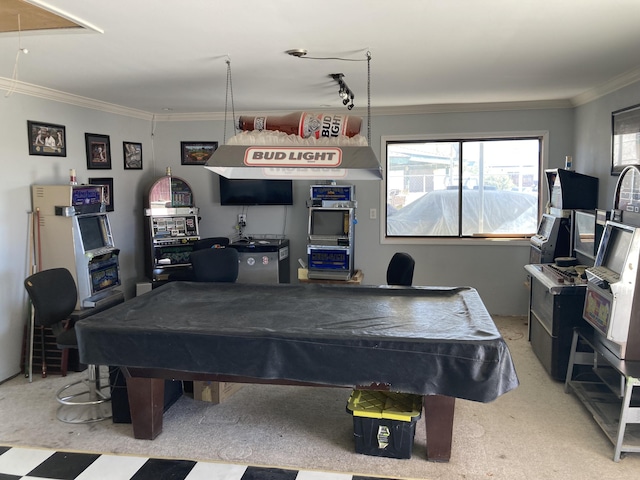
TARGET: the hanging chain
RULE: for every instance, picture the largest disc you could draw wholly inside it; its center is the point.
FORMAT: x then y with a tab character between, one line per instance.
369	98
229	93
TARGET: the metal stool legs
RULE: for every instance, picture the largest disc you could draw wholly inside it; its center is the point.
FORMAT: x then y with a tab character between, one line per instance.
85	401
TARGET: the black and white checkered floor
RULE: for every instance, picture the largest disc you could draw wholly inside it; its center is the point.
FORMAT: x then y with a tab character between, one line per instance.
21	463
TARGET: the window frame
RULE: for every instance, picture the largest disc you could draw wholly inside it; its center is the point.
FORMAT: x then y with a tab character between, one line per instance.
456	240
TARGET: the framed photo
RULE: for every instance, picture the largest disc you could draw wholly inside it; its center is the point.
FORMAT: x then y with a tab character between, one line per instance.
108	190
196	153
132	154
98	151
625	140
46	139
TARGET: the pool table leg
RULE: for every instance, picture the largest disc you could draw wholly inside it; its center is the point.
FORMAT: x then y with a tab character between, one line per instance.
438	411
146	404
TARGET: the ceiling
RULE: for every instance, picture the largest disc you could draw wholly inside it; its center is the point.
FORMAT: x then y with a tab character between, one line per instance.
172	56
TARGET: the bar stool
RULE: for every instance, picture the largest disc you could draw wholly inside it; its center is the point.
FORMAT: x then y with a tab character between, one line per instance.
53	295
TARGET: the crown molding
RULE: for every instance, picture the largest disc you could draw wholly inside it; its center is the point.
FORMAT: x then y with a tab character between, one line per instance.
15	86
611	86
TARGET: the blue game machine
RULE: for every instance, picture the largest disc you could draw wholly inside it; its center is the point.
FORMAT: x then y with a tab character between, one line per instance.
330	238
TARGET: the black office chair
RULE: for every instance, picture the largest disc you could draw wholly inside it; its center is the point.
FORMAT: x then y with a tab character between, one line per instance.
400	269
211	242
215	264
53	295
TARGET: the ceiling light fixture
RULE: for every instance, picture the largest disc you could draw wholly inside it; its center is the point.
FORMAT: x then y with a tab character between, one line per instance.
250	158
344	92
296	52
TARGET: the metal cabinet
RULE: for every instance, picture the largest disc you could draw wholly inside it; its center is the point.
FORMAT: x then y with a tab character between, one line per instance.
554	310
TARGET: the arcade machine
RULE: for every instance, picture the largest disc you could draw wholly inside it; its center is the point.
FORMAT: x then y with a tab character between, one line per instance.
74	232
568	190
612	303
171	229
557	280
330	239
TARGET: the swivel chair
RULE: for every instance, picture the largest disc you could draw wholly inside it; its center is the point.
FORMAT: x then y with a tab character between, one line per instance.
215	264
400	269
210	242
53	295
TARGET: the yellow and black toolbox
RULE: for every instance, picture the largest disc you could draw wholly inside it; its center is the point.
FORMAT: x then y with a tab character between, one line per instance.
384	423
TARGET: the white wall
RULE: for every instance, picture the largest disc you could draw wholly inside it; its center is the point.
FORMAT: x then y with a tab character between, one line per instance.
496	271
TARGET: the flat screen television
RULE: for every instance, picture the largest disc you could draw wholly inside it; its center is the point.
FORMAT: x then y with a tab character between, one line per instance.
255	192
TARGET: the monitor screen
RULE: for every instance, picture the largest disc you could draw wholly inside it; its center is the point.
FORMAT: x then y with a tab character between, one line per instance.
546	226
330	222
616	250
255	192
584	233
92	232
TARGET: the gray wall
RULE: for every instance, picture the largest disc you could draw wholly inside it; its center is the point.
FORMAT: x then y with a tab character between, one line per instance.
496	270
593	138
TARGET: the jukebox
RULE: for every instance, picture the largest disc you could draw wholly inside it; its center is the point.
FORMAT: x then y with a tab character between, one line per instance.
330	238
73	232
171	229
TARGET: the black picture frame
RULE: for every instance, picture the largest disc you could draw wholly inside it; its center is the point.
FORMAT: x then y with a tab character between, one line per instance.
98	151
625	138
132	155
46	139
108	191
196	153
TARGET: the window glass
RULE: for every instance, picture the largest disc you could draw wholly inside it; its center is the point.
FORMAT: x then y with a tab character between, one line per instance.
463	188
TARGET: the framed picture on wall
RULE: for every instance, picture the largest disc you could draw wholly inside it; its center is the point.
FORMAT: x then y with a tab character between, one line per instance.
625	138
46	139
196	153
98	151
108	190
132	154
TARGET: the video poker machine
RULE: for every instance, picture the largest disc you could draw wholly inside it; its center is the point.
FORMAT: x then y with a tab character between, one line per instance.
568	190
73	232
330	235
171	229
612	303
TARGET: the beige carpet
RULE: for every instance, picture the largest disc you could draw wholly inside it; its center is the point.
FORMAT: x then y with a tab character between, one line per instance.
534	432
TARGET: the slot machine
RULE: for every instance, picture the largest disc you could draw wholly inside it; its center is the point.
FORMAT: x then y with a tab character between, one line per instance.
612	303
74	232
171	229
568	190
330	238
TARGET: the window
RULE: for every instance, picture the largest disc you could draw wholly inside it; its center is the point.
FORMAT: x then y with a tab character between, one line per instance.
463	187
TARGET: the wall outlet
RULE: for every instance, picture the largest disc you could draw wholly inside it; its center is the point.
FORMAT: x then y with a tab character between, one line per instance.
373	213
242	218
